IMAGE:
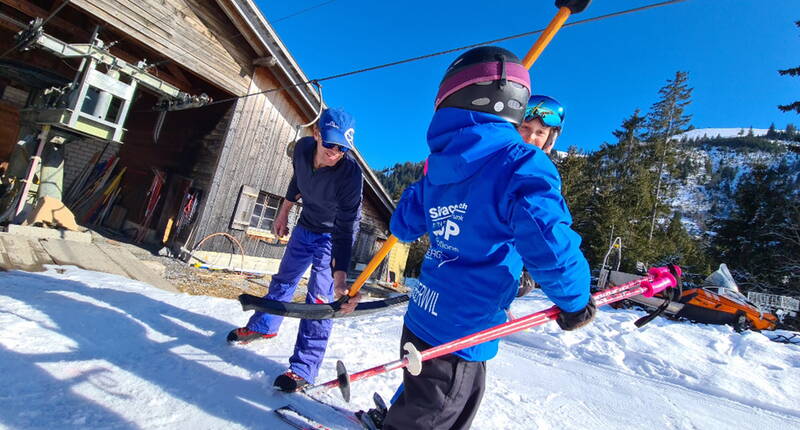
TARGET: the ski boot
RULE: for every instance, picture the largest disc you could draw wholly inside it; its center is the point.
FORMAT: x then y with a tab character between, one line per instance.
373	418
243	336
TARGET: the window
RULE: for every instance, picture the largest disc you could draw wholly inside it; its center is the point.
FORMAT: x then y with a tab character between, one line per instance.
265	210
256	211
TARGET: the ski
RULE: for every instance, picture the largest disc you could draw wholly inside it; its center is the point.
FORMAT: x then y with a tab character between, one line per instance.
294	418
294	415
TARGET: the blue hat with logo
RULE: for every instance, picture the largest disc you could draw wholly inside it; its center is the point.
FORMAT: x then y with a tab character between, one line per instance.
338	127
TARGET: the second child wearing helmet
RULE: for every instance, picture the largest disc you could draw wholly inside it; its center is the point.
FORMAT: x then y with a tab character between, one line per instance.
540	127
542	123
490	203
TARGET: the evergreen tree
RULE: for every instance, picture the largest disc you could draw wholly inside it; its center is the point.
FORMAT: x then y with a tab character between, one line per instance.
666	119
791	72
415	256
772	133
761	237
620	184
396	178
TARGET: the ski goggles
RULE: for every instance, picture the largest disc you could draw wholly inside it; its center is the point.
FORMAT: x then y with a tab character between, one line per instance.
341	148
547	109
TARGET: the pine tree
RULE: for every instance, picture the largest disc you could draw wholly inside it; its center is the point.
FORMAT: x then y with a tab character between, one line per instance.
666	119
791	72
761	237
396	178
620	184
772	133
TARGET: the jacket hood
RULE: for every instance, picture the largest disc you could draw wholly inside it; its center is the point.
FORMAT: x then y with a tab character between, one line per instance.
462	140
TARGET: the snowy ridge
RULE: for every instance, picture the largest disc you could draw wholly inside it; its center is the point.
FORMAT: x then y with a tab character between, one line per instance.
711	133
83	349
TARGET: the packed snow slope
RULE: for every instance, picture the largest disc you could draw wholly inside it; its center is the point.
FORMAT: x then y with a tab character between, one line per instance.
83	350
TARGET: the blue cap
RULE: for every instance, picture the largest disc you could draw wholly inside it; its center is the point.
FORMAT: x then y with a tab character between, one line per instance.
338	127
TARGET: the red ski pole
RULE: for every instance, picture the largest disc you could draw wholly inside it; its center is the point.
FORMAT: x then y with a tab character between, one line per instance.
657	280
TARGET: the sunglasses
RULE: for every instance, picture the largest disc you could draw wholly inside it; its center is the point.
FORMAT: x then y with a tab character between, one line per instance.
342	149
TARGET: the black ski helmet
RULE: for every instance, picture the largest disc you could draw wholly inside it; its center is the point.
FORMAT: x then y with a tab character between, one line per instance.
486	79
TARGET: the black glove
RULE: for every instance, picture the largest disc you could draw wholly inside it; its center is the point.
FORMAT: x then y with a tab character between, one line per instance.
574	320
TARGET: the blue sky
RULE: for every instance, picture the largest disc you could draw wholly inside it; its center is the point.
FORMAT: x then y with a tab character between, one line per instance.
601	71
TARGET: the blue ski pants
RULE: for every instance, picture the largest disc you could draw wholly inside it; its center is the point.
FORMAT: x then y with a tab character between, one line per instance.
304	248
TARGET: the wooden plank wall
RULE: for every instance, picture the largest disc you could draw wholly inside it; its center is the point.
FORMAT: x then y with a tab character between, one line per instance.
194	33
254	154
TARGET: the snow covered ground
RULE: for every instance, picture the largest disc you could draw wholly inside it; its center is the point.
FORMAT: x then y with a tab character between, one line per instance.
85	350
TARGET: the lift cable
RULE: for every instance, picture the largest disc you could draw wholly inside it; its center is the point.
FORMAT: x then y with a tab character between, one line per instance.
308	9
448	51
45	21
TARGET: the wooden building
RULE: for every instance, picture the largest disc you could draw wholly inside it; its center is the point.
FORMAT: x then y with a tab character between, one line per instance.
230	155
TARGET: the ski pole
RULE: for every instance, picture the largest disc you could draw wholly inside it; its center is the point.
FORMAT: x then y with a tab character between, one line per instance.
657	280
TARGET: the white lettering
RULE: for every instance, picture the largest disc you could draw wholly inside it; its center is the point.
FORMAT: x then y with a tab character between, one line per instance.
451	229
425	298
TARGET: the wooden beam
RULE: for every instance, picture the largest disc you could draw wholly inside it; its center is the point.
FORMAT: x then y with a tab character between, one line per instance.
268	61
34	11
179	76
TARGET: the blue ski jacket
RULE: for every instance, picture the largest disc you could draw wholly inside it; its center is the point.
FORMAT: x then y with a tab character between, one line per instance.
489	203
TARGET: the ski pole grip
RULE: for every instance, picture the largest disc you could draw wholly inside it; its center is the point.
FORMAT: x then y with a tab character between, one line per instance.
662	279
575	6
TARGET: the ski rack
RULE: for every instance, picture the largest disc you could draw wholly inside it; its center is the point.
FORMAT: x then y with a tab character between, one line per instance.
657	280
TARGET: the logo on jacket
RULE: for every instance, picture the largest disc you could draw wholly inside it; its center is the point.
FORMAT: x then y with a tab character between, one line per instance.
445	220
448	229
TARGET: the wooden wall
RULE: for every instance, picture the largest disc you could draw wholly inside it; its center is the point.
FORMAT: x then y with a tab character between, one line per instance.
194	33
254	154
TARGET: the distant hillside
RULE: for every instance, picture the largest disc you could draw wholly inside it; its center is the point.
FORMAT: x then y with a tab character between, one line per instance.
714	162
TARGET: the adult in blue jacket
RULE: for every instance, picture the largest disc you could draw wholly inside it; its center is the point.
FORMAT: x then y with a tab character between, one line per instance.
329	180
490	203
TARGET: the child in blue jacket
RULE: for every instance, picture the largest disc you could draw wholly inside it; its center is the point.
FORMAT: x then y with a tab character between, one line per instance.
490	203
